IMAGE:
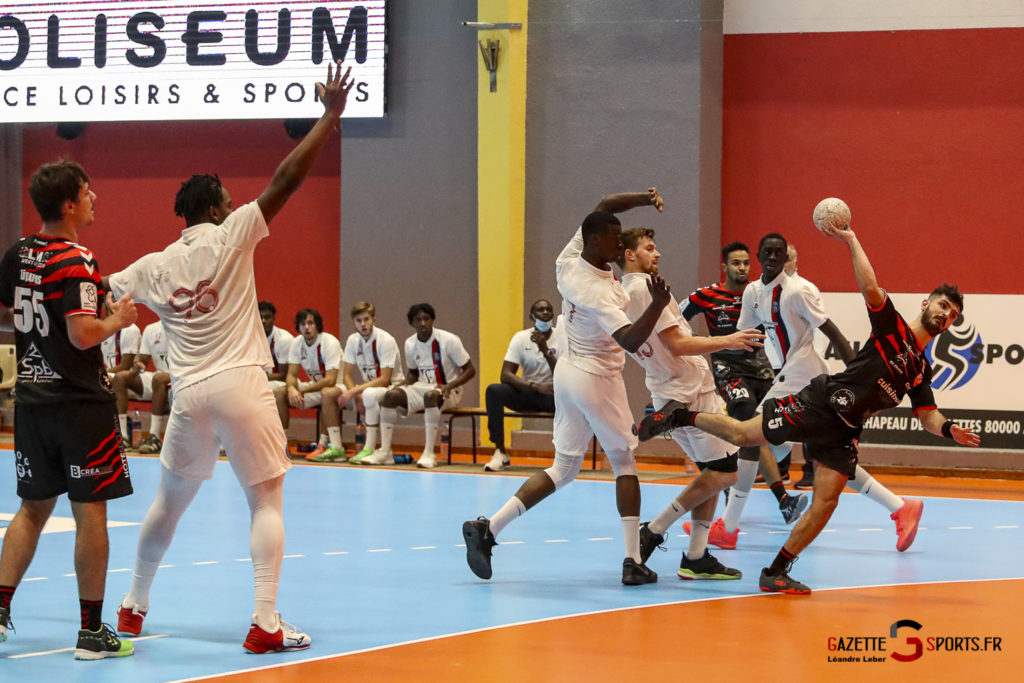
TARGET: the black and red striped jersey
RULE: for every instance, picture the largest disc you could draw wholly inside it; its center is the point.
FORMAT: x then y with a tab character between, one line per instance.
43	280
889	366
721	309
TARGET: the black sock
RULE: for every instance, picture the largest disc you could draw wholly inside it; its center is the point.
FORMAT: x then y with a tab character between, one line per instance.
684	417
92	614
6	595
779	489
781	562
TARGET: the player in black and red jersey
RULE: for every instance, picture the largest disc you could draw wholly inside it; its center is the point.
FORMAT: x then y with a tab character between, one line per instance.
742	377
829	413
66	437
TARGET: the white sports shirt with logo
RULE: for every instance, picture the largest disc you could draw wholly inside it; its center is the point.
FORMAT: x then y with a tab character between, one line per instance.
449	351
280	342
682	378
202	288
156	346
532	363
373	354
317	358
593	306
123	341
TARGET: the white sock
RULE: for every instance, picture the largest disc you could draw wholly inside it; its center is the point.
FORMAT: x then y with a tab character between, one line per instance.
266	546
122	419
431	420
334	435
512	508
156	425
868	486
738	494
371	437
667	518
388	417
631	536
699	531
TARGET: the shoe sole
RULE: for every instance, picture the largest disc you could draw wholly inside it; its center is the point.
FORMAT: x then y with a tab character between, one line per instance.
690	576
478	564
787	591
640	580
90	656
267	651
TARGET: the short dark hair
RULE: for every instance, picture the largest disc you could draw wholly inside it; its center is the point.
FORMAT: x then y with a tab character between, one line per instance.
772	236
301	316
731	247
631	240
598	223
363	307
951	292
267	306
53	184
417	308
196	196
533	306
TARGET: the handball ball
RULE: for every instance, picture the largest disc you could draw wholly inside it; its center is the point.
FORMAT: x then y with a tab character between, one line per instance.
831	211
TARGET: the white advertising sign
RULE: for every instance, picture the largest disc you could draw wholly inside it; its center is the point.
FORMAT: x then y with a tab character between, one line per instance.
140	60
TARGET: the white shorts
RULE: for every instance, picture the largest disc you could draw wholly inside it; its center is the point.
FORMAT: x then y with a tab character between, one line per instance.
414	394
276	384
233	410
147	388
698	444
586	405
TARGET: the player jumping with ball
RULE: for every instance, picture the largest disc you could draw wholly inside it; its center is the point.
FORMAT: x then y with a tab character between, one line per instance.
829	413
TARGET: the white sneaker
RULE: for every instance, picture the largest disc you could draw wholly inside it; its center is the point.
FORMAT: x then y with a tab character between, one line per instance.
499	461
379	457
427	461
284	639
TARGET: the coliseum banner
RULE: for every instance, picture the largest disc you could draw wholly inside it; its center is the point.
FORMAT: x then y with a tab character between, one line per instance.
87	60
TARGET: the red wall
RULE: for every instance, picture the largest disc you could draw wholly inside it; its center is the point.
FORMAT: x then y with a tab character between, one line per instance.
136	169
919	131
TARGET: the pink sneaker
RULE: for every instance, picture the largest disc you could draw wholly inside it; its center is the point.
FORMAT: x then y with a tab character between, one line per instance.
130	620
907	518
284	639
719	536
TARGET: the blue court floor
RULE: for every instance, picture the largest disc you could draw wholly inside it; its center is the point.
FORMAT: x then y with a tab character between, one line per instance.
374	558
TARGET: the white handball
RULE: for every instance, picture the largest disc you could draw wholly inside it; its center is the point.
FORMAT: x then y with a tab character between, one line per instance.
833	212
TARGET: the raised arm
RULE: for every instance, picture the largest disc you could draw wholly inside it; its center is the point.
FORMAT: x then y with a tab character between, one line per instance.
292	171
624	201
935	422
842	346
682	344
862	270
630	337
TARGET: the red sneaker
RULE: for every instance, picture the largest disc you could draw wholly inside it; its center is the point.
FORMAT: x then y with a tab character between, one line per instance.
316	452
907	518
130	620
718	536
284	639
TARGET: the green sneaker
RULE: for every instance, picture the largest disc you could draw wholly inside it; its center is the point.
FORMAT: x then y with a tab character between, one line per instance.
102	644
332	454
360	456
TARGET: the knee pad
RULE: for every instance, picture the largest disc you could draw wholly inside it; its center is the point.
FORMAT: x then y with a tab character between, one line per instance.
623	463
564	469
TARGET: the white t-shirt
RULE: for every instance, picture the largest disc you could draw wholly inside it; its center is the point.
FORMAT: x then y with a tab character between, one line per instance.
373	354
593	306
280	342
438	359
317	358
790	310
155	345
682	378
202	288
532	363
123	341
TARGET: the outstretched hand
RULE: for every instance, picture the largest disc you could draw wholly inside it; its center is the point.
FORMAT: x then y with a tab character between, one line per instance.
656	200
661	293
965	436
743	340
334	94
123	310
844	234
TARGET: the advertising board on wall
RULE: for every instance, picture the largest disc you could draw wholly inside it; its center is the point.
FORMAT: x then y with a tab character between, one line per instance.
146	60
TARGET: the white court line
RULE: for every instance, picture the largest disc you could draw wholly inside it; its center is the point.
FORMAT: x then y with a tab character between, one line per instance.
556	540
34	578
166	566
205	562
778	532
870	529
1008	526
337	552
602	538
116	571
288	557
71	574
828	531
423	547
243	559
503	543
959	528
71	649
379	550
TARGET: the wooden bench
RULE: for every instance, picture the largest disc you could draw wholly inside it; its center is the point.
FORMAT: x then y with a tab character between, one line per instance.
474	413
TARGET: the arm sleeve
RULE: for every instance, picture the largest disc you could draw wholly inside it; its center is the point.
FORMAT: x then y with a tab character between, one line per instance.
747	320
388	352
691	308
921	396
349	355
514	354
573	249
884	318
332	353
456	351
245	227
812	308
610	316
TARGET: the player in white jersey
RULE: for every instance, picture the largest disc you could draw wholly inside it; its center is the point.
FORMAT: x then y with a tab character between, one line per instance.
536	350
590	395
677	375
438	366
370	364
119	349
280	342
138	383
203	289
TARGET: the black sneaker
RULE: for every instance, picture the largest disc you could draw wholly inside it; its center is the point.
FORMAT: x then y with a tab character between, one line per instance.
102	644
792	507
671	415
649	541
806	483
784	478
781	583
706	567
5	623
479	541
634	574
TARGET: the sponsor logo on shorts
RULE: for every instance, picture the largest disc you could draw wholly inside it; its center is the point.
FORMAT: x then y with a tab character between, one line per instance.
22	466
775	423
841	400
88	472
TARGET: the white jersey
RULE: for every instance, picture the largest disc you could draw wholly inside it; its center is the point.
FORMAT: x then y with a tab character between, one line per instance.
203	289
280	342
593	306
317	358
155	345
438	360
534	365
682	378
790	309
373	354
122	342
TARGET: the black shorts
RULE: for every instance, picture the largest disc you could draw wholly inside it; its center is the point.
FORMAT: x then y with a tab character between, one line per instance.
742	395
72	448
727	464
807	417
